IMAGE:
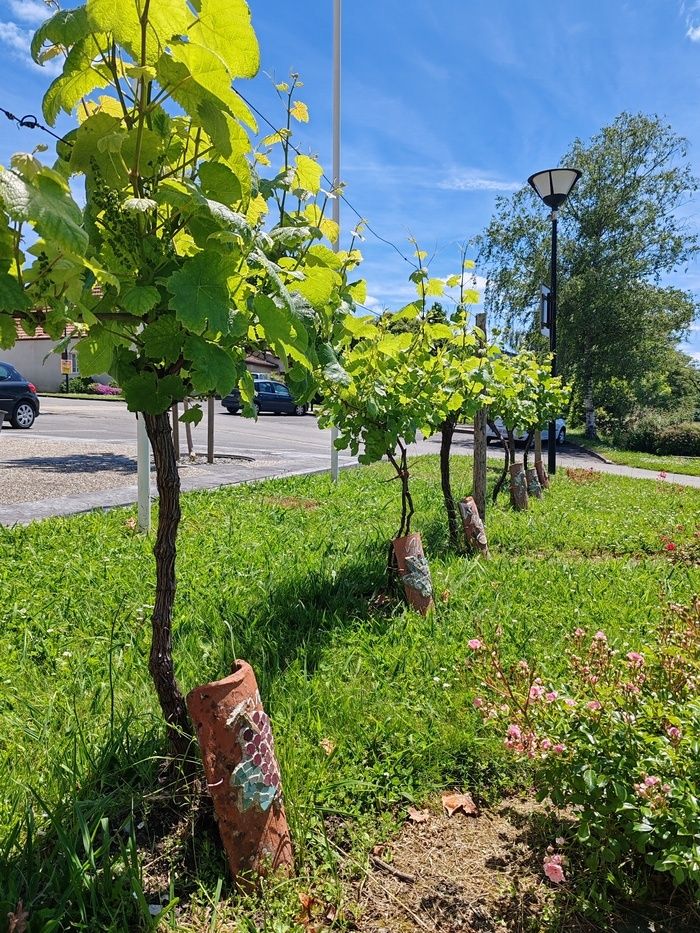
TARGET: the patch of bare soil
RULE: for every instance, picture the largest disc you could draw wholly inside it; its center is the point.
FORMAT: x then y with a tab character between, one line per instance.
458	873
291	502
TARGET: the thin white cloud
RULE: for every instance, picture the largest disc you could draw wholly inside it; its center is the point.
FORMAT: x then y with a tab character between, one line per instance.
17	42
471	181
695	355
30	11
693	33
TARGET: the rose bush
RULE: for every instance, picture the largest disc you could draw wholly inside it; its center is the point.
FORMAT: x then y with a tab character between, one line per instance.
616	744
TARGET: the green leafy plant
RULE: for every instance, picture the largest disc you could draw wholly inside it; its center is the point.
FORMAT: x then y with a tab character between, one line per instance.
617	745
173	271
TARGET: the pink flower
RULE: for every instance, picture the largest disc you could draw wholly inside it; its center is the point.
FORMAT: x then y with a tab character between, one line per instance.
651	780
663	474
552	696
560	841
600	636
594	705
513	731
474	644
635	659
670	546
546	744
559	749
579	633
536	692
570	703
674	733
478	702
553	869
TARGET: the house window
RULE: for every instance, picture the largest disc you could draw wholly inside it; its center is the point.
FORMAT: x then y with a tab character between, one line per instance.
73	357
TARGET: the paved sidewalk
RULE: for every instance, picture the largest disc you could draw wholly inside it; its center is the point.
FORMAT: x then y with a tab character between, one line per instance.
250	465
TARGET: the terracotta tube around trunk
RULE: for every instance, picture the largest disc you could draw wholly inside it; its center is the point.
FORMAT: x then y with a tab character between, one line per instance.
414	571
238	752
518	487
533	483
474	530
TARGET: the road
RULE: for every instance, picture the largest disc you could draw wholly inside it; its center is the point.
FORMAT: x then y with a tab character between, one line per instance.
82	455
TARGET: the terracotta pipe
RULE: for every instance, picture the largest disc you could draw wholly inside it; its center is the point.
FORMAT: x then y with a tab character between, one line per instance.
235	737
518	487
542	474
474	530
533	483
414	571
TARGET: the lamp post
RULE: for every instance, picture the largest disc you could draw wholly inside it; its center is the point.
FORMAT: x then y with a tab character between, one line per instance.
337	28
553	186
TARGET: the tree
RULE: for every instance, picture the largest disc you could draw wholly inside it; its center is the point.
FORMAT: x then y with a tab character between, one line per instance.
173	270
620	237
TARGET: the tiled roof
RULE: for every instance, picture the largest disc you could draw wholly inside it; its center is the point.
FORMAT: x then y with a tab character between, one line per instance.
40	333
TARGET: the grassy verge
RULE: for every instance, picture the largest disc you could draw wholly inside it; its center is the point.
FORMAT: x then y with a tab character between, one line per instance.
690	466
283	574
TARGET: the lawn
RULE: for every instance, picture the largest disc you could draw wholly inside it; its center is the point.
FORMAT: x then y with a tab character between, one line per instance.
284	573
635	458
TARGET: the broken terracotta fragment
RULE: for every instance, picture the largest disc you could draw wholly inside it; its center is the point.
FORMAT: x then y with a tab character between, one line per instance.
414	571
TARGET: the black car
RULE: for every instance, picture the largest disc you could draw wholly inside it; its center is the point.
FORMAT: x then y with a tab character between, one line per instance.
269	396
19	403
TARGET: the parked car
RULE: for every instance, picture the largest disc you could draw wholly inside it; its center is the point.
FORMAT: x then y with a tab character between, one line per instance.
19	403
269	396
521	435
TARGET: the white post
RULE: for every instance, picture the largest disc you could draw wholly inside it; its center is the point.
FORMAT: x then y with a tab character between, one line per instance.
143	472
337	20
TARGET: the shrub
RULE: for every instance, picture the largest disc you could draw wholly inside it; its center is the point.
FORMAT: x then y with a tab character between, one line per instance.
77	384
643	433
617	746
681	439
99	389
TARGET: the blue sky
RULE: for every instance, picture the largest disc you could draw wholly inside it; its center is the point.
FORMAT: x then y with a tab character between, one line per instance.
445	104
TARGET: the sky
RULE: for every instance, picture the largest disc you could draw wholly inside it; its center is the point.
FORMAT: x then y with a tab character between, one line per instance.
446	104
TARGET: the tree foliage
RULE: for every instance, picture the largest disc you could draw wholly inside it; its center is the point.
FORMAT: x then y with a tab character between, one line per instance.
620	236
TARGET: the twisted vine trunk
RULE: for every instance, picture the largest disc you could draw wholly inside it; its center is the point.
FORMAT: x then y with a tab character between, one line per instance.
447	430
504	474
161	658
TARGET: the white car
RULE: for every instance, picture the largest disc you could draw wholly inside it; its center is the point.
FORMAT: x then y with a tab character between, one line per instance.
521	435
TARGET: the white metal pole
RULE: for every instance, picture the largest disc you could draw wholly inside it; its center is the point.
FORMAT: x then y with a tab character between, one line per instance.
143	472
337	21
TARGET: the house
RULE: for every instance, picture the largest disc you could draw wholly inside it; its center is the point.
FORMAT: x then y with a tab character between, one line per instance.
36	359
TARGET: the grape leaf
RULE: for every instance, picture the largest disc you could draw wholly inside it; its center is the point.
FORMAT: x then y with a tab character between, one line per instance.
200	293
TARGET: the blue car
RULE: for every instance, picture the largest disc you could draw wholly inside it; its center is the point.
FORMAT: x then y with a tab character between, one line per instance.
19	403
270	396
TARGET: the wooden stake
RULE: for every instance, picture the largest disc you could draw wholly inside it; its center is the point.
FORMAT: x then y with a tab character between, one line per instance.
480	457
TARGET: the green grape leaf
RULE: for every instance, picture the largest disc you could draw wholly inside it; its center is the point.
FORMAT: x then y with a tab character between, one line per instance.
359	327
220	183
79	78
193	415
224	26
166	18
163	340
139	298
317	286
213	368
200	293
307	174
95	351
8	331
147	393
64	28
12	295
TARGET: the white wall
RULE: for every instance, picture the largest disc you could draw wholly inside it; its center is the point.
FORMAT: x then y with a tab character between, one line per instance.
27	356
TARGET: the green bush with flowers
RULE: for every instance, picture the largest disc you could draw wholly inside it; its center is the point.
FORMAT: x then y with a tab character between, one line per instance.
615	745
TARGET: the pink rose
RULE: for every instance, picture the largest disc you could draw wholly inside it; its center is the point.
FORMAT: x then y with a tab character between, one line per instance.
536	692
474	644
553	869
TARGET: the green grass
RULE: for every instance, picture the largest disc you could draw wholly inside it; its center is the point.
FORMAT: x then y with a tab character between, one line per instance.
690	466
289	589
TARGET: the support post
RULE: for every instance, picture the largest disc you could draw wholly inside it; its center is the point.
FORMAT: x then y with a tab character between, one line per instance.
552	429
143	474
337	24
480	449
210	429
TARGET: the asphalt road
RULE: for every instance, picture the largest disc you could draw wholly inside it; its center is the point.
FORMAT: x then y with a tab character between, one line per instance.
81	454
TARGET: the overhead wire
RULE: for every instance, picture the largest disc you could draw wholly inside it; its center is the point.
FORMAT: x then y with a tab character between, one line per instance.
30	122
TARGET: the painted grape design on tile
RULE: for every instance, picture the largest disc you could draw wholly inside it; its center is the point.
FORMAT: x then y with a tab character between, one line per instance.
257	775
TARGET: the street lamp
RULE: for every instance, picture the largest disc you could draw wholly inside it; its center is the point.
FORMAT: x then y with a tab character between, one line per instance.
553	186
